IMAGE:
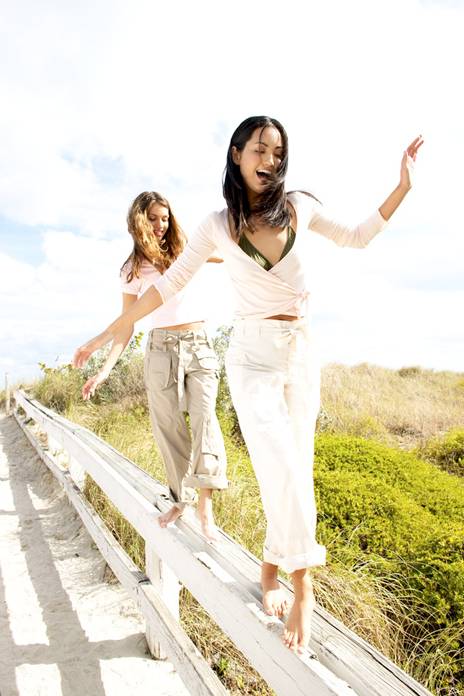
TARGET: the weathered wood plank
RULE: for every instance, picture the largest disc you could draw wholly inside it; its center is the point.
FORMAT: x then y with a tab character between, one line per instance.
187	660
229	604
167	587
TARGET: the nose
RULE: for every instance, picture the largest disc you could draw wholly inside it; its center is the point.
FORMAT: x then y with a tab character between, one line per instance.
268	159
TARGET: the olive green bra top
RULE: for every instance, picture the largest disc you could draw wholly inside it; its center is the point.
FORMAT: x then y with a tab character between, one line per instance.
251	251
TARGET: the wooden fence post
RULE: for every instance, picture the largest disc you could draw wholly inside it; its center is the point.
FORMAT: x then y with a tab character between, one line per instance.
77	472
167	586
7	394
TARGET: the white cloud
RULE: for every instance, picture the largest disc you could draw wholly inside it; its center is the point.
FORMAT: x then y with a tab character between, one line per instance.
105	100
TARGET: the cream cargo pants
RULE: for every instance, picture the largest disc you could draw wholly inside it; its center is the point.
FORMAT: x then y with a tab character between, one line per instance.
181	375
273	378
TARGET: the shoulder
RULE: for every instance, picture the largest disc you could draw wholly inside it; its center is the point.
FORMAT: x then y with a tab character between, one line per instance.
302	199
212	227
147	272
304	204
125	270
129	287
215	220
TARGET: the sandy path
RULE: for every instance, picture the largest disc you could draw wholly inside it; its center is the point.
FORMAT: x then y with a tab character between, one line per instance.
63	630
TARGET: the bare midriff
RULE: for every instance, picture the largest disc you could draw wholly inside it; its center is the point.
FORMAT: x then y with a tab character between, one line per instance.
283	317
193	326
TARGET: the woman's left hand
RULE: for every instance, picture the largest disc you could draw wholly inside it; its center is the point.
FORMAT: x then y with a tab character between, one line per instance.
408	161
82	354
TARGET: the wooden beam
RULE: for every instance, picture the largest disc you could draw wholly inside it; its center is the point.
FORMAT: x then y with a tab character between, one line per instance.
187	660
340	651
228	603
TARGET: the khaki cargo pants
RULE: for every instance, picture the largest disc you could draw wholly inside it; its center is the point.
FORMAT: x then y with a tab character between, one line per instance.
181	375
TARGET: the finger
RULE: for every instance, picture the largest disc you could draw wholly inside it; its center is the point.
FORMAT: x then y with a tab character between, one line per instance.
82	359
414	146
414	142
79	358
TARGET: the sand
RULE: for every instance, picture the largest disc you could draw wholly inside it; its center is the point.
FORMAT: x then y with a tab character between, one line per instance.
64	629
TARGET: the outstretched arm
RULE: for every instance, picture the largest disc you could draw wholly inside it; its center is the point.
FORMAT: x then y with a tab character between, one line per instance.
360	235
199	248
122	326
120	341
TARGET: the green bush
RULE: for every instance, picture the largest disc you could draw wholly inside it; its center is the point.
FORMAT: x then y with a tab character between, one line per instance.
59	388
224	404
411	371
404	518
447	452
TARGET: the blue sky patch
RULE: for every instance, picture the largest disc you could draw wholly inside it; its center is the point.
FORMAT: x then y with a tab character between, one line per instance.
23	242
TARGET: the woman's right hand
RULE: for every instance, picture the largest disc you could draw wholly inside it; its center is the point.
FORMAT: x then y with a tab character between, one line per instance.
83	353
89	388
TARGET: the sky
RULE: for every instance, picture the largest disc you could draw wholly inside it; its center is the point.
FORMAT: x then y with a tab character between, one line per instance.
103	99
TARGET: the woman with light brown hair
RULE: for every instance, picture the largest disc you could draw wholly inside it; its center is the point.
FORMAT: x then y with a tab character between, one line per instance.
181	368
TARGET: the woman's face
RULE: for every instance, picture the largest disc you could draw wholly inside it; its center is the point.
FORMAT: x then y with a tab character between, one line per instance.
158	217
260	157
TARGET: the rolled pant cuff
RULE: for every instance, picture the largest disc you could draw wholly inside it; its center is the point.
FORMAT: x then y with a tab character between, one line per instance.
205	481
289	564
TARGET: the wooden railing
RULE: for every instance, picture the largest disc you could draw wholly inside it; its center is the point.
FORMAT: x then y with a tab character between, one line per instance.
223	577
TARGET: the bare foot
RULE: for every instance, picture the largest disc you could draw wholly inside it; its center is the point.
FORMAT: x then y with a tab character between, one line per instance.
205	515
274	600
170	516
298	626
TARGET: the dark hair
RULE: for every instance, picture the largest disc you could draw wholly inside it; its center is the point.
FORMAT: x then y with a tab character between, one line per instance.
271	206
161	254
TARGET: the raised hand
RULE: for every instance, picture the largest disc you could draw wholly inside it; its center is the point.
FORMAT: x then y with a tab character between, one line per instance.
408	161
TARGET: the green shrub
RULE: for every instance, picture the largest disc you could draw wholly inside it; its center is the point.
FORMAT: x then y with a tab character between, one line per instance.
447	452
59	388
404	518
412	371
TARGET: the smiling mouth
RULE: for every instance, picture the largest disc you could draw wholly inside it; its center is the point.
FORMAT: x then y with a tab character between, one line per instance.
263	175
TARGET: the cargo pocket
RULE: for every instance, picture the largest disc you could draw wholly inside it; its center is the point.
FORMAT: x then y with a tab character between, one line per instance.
207	358
209	439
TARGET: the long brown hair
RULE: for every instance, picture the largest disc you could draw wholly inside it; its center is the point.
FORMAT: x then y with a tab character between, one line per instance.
271	206
160	253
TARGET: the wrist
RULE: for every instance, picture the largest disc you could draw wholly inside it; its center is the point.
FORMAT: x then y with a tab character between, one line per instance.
404	187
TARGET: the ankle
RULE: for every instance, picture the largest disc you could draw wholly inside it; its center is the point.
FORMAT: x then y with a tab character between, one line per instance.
205	498
269	571
302	584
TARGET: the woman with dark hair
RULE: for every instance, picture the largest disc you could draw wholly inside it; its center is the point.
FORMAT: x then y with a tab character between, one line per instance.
181	368
272	369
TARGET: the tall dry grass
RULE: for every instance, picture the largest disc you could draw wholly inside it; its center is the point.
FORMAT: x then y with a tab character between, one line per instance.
403	407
